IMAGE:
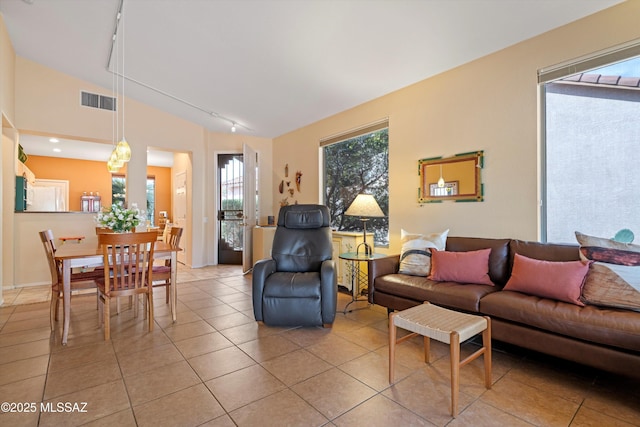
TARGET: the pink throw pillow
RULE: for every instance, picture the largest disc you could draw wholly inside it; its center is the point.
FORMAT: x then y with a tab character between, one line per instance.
561	281
461	267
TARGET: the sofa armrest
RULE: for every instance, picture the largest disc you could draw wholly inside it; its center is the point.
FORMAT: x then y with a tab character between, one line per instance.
381	267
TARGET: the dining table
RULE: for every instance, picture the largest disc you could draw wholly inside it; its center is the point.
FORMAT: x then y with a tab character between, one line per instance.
86	255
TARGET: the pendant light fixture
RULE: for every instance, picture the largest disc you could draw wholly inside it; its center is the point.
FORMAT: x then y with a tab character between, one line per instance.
114	164
441	180
122	151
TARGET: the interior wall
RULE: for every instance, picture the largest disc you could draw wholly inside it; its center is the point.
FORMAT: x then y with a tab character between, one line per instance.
7	73
9	139
47	102
162	177
83	176
219	144
87	176
490	104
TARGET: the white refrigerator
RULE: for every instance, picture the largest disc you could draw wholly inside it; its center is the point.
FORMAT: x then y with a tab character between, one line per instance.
46	199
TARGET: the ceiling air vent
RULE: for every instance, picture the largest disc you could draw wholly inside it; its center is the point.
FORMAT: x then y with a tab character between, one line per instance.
97	101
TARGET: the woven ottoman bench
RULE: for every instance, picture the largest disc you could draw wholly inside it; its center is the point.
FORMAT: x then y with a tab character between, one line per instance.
447	326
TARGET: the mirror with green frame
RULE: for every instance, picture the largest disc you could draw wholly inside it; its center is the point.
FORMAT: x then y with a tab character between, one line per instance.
454	178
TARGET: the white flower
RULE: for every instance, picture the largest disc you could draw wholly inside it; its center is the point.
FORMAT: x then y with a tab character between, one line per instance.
119	219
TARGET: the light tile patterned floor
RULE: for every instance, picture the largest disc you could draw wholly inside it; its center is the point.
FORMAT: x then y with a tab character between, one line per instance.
217	367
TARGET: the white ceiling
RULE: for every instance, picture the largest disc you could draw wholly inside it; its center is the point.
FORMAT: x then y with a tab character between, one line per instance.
274	65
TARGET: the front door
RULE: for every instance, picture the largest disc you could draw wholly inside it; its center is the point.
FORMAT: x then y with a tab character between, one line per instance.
230	213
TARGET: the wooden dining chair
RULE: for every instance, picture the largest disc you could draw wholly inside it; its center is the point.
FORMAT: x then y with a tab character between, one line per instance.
81	280
128	271
162	273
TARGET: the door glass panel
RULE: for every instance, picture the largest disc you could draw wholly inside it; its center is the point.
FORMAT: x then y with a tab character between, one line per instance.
230	215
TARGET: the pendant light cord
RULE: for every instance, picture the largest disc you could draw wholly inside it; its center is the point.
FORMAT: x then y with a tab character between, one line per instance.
120	16
124	52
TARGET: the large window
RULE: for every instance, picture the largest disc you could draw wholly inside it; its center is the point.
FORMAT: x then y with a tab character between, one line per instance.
592	151
358	163
118	194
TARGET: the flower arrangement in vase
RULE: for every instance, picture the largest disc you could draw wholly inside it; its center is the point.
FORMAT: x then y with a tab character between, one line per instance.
120	219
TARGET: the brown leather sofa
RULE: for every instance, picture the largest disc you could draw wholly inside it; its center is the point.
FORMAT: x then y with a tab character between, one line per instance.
604	338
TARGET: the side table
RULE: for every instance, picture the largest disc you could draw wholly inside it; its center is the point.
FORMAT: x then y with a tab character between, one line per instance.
359	278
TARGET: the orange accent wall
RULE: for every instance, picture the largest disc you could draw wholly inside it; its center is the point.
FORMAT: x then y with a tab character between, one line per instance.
92	176
163	189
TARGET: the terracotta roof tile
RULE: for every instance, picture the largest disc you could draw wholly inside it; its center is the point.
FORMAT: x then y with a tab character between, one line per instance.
598	79
590	78
574	78
629	81
609	80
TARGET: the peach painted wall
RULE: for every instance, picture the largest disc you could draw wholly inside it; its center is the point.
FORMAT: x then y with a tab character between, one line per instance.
7	151
47	102
7	73
489	104
83	176
163	189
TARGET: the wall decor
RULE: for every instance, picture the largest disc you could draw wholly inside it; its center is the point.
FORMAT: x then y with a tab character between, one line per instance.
298	180
290	190
454	178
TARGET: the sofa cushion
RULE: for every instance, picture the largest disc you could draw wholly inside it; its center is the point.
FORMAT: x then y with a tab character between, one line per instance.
292	285
464	297
461	267
550	279
614	279
415	257
618	328
498	259
544	251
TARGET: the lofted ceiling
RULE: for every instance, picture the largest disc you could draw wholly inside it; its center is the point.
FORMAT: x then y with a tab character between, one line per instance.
273	66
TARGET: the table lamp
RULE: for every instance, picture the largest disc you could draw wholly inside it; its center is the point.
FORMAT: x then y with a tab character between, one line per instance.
365	206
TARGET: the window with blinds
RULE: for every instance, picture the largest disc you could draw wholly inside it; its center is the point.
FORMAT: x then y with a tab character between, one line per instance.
591	145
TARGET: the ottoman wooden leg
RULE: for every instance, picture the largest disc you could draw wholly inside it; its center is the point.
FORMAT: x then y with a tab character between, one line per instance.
455	371
486	343
392	346
427	349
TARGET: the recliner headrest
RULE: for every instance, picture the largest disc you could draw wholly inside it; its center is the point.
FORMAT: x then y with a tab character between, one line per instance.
303	219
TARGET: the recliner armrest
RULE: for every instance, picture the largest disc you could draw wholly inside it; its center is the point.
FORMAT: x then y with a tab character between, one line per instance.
328	290
261	270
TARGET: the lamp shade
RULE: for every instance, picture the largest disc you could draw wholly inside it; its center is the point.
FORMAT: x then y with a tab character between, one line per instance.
365	206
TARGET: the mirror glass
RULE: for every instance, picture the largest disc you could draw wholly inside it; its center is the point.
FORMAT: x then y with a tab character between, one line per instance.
451	178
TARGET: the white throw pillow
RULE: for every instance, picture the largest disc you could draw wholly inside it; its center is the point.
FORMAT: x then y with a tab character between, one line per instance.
415	257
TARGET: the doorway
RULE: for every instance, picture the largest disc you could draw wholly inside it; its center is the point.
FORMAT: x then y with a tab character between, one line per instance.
230	208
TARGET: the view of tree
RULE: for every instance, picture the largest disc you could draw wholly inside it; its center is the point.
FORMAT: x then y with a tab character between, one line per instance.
358	165
118	194
118	184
